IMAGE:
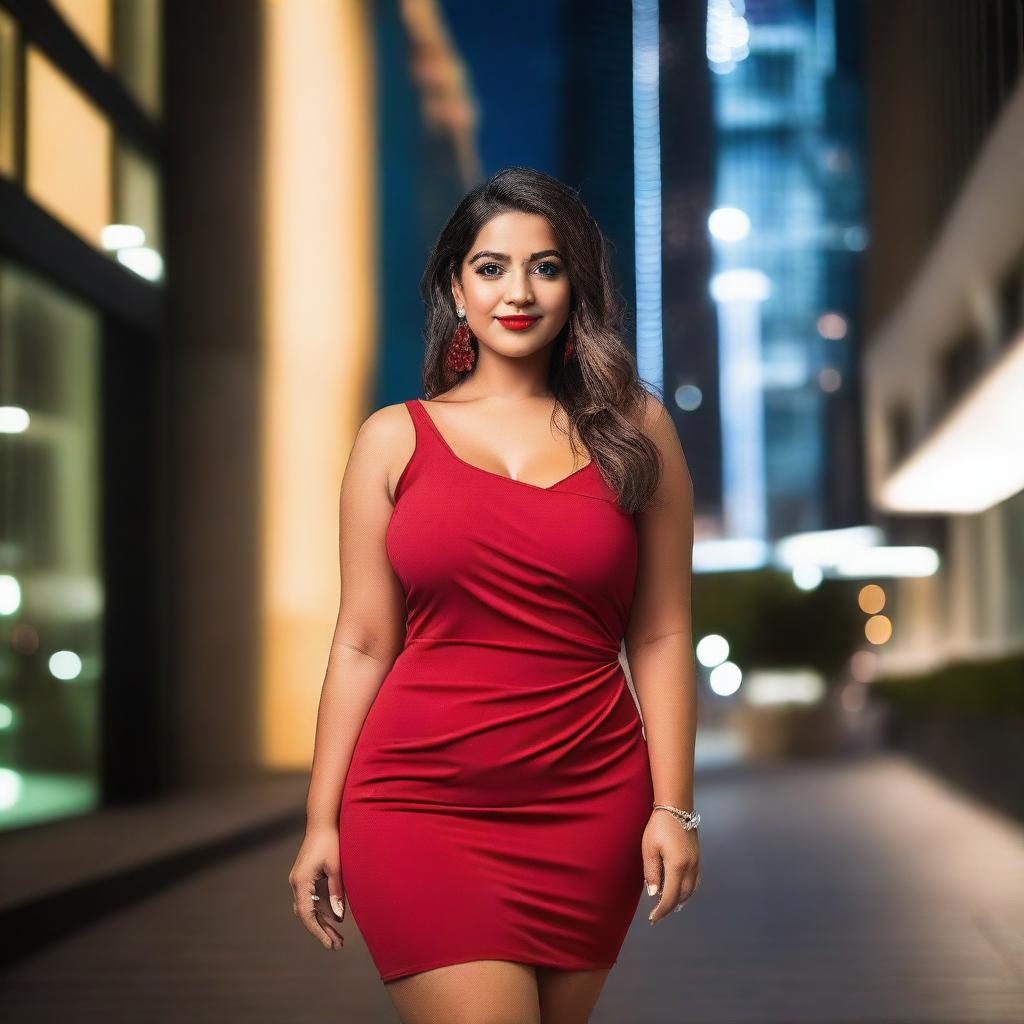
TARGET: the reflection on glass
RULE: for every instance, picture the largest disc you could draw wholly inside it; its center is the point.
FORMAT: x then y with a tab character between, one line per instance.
51	594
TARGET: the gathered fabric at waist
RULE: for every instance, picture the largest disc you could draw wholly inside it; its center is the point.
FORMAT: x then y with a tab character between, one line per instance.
550	649
454	721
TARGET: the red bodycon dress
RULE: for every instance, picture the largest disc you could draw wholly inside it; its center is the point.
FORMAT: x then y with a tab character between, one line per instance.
500	786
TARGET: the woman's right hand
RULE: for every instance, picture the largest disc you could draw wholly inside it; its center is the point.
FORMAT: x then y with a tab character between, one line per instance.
318	858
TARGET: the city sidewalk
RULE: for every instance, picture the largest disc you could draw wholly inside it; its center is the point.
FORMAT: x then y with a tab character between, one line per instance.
860	889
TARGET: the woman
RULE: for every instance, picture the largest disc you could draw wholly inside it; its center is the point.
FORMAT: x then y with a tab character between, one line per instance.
482	792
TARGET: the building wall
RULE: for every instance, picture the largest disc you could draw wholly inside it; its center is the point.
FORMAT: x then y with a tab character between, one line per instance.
945	279
937	76
214	407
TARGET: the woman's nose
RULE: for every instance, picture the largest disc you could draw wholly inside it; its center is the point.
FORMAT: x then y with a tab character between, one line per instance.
519	288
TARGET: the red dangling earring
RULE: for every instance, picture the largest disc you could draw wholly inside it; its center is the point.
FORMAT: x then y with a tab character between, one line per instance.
461	356
568	350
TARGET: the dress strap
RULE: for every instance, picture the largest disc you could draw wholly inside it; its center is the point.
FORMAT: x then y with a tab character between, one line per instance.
412	466
427	436
430	449
419	418
425	426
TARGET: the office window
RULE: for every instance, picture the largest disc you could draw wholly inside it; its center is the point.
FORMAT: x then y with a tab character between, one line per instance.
68	154
139	55
8	95
138	203
51	589
90	20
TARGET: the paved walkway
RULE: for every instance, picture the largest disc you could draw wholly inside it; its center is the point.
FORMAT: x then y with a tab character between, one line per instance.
833	892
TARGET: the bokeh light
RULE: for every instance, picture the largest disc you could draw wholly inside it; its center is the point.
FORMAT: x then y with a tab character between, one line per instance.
871	599
878	629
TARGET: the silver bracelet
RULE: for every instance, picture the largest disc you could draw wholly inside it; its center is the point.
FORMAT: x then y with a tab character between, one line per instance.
688	819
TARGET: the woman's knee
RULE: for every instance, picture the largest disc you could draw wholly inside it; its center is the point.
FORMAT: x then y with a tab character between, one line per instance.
477	992
568	997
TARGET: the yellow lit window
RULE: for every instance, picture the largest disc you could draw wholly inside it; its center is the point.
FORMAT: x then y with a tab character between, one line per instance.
68	150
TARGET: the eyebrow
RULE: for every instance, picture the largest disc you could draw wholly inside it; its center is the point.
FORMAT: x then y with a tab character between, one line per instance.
506	258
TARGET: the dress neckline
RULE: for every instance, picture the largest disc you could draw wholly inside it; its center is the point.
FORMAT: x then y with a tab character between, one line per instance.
488	472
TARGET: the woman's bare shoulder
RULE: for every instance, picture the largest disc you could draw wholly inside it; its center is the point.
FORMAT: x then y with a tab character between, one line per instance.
655	420
386	427
384	443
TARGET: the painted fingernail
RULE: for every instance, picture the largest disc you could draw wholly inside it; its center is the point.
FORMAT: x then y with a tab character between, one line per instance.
339	910
651	888
680	907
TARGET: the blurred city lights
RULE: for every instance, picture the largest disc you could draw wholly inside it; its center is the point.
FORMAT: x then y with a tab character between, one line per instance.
13	419
725	679
24	638
807	577
786	371
795	686
972	460
832	326
738	293
853	697
145	262
824	547
127	242
728	35
864	666
855	238
740	285
712	650
10	594
689	397
10	788
829	379
871	599
122	236
65	665
729	555
729	224
837	159
894	562
878	629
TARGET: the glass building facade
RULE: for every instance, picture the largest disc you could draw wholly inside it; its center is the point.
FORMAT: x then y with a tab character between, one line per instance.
81	268
788	236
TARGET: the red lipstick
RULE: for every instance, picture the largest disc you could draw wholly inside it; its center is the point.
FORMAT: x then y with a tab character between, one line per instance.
517	323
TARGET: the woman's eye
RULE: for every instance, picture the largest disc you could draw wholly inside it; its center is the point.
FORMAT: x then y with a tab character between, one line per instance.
553	269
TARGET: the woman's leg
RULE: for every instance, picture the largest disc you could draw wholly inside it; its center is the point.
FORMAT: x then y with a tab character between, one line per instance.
567	997
478	992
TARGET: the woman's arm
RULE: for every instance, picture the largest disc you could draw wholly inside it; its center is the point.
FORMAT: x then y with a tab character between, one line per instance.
368	636
659	640
371	619
659	650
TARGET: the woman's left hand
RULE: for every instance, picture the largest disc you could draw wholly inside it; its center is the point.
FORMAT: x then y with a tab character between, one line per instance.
671	863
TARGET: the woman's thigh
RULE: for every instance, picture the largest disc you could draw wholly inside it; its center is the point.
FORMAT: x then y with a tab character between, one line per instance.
568	997
478	992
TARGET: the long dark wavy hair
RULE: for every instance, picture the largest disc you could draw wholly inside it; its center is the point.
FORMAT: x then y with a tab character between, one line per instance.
600	388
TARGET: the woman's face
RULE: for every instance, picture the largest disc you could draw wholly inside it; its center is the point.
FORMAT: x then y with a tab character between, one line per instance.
514	269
